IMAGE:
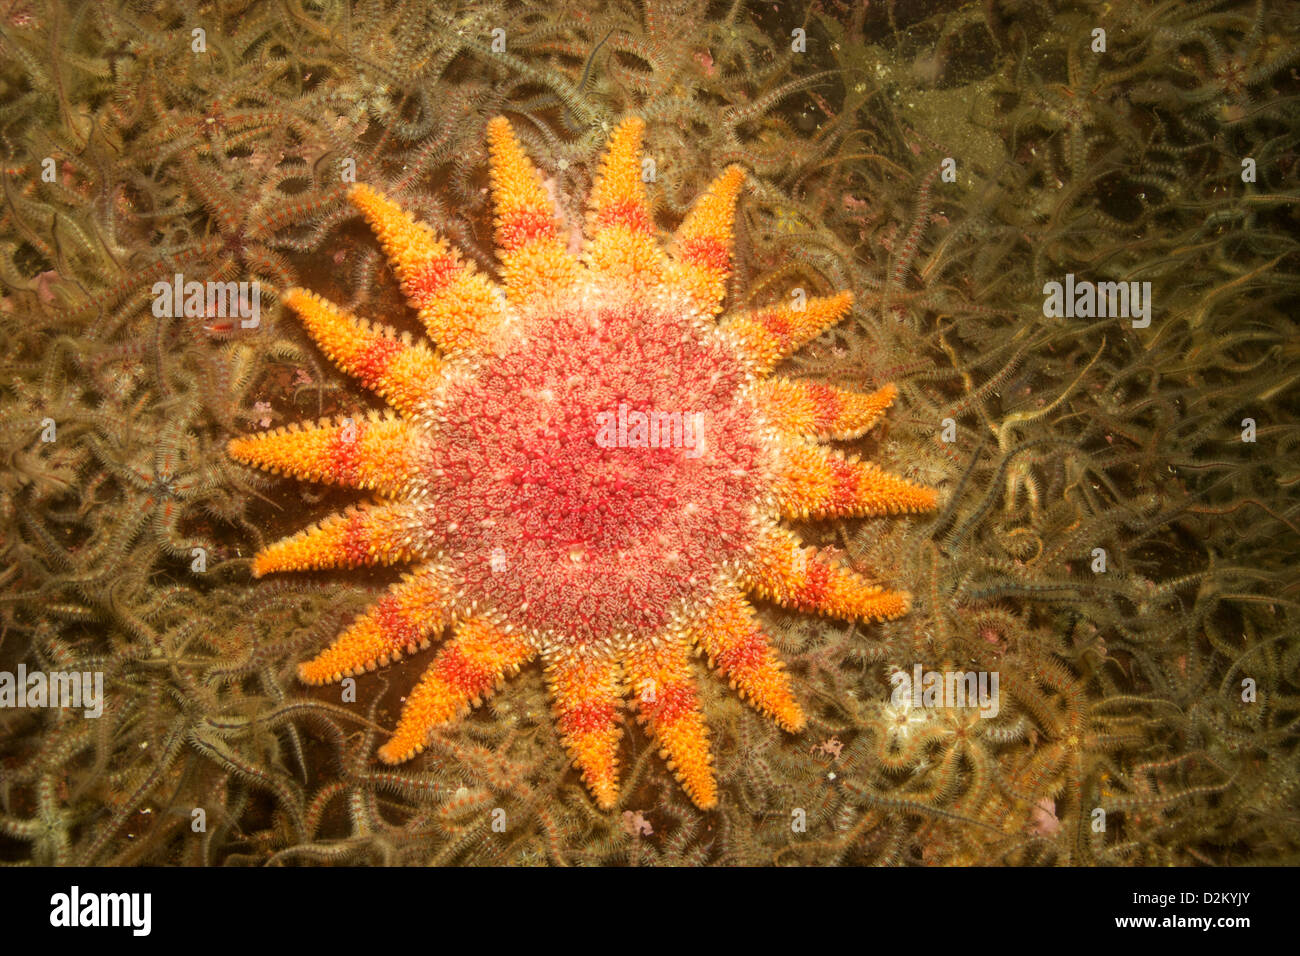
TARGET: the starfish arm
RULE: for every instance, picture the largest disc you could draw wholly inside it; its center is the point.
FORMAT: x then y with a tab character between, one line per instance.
821	411
667	700
796	576
360	536
765	336
622	237
374	453
401	621
588	705
815	482
458	305
701	248
534	260
735	644
469	667
402	371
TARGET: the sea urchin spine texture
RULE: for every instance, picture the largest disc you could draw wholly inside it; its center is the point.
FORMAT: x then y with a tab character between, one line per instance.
584	471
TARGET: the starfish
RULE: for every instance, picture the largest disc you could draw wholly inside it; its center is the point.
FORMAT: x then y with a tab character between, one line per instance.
591	469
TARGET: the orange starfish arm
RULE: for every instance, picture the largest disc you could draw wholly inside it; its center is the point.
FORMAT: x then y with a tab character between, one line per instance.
765	336
365	535
821	411
401	621
731	637
815	482
400	370
622	243
701	248
667	700
457	304
588	706
373	453
797	577
534	260
468	668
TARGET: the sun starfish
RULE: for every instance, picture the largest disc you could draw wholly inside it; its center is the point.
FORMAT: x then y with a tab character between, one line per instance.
591	470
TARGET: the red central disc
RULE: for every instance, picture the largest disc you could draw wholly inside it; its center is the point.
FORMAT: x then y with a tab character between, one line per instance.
589	484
